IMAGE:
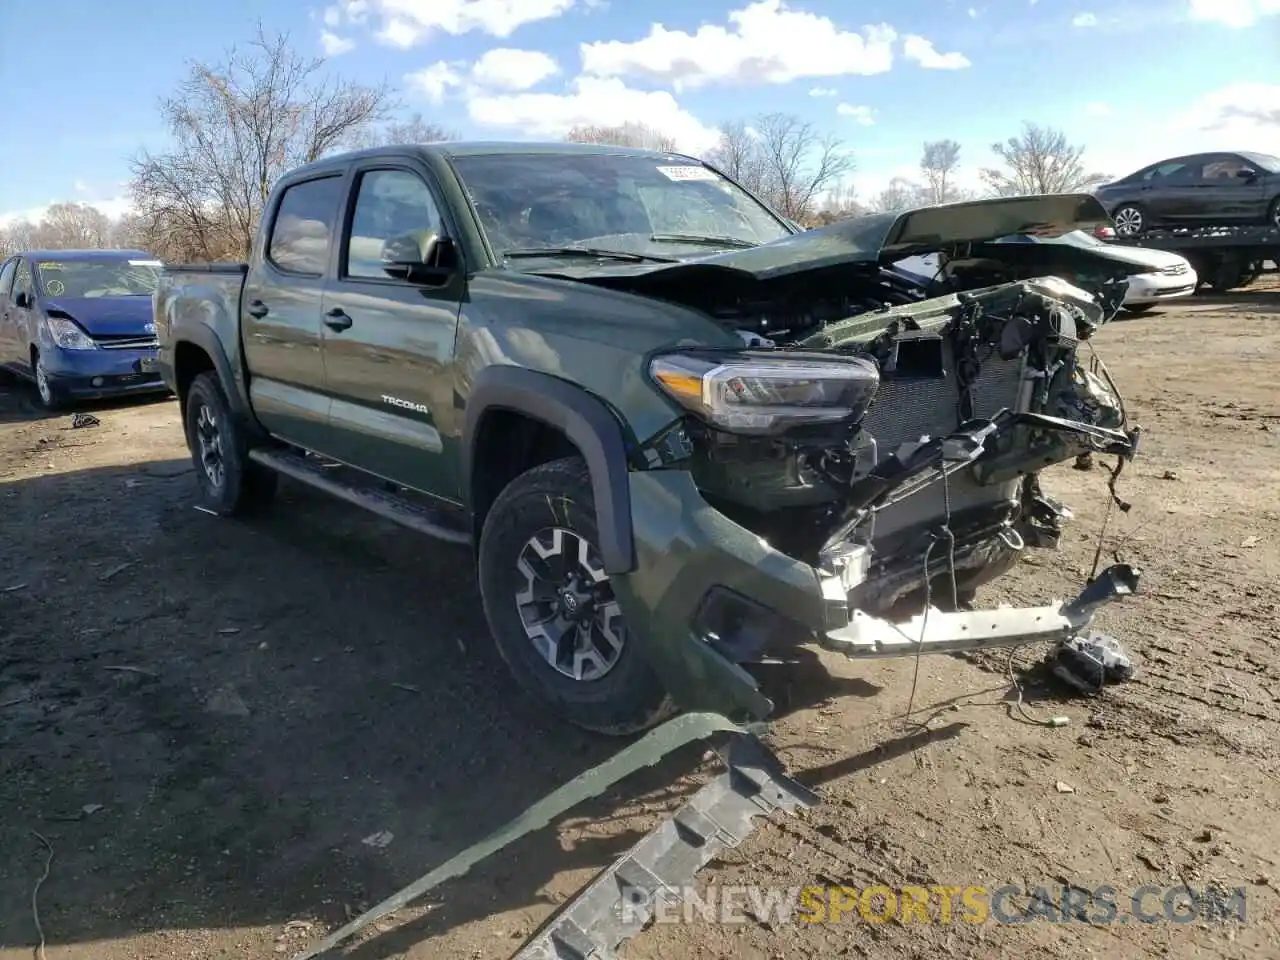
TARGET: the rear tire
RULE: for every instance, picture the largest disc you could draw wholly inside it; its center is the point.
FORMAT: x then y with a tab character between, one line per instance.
551	609
1273	214
230	484
1130	220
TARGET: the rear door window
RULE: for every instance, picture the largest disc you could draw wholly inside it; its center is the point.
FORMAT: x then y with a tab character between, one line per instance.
304	226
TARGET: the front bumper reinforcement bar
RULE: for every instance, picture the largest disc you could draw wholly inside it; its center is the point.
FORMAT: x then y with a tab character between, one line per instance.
935	631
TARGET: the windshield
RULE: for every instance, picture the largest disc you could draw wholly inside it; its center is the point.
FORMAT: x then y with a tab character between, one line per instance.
108	277
1267	162
663	206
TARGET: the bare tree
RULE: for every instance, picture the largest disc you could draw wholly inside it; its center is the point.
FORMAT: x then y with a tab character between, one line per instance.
629	134
18	236
237	127
414	130
839	202
738	154
901	194
67	226
64	226
1038	160
798	163
939	161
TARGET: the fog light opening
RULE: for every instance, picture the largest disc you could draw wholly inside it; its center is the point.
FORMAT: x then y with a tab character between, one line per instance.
96	381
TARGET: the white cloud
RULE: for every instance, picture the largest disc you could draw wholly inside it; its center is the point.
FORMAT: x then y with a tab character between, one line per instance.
973	14
823	92
80	187
435	81
863	115
1084	20
334	44
508	69
1098	110
765	41
407	23
1236	14
501	69
590	100
922	52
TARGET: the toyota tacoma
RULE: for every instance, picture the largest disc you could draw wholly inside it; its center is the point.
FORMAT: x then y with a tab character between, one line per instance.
678	433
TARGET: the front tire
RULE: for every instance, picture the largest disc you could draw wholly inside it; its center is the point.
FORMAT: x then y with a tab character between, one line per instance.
230	483
1130	220
47	392
1273	214
551	608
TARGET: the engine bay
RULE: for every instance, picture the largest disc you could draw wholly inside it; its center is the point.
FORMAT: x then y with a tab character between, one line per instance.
968	352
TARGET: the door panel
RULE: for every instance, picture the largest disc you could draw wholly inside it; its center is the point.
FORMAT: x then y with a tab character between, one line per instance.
8	334
280	313
1171	190
1225	196
389	343
23	319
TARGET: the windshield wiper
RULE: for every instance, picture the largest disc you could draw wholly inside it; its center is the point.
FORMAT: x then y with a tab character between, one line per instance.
703	240
593	252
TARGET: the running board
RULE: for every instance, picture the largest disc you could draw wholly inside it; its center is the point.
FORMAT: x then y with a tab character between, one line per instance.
363	490
624	898
936	631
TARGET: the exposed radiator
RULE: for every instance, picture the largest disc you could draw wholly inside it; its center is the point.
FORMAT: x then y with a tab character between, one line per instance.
906	410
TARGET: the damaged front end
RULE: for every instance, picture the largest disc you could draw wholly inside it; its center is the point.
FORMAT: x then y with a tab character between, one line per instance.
892	455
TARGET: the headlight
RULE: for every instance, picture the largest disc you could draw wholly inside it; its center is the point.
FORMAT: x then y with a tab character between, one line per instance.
768	395
68	336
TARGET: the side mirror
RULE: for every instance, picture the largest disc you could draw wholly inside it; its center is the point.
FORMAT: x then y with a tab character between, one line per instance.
22	301
423	257
1246	174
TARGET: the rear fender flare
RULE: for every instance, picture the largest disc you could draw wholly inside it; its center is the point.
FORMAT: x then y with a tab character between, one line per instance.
233	386
588	423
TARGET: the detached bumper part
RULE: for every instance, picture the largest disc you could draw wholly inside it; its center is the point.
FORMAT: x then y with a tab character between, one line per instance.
621	901
936	631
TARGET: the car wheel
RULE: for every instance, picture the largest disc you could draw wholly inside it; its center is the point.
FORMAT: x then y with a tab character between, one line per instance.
1130	220
46	390
1273	215
551	608
229	483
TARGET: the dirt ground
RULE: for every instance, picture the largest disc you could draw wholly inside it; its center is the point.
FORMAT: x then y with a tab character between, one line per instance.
211	721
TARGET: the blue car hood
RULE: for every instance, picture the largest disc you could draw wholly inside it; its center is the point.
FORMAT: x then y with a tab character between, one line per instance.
106	316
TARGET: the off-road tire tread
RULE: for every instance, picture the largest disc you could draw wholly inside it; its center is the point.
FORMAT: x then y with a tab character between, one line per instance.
630	698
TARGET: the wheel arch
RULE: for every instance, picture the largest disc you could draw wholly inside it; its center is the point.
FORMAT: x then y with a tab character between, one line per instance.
502	395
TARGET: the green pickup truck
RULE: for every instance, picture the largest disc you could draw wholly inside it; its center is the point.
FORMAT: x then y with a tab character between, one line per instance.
679	434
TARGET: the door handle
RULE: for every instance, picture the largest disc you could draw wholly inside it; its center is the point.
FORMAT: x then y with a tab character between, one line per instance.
337	319
258	309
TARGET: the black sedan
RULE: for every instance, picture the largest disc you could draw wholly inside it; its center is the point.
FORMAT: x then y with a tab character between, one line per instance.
1197	190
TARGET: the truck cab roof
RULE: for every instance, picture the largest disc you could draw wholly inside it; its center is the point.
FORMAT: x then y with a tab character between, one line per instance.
449	149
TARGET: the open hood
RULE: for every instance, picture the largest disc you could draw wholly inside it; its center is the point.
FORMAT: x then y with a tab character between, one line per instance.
878	239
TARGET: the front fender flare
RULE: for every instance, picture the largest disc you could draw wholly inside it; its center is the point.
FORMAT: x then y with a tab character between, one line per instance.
588	423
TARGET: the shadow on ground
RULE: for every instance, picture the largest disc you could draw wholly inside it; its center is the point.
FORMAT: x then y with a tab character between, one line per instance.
19	403
212	720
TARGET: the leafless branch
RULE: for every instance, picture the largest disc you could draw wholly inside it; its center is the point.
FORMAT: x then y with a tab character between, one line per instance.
1039	160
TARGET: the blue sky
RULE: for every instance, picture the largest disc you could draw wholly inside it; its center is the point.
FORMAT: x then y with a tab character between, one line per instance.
1132	81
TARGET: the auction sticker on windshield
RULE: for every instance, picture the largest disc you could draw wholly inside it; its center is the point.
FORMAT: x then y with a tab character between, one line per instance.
689	172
